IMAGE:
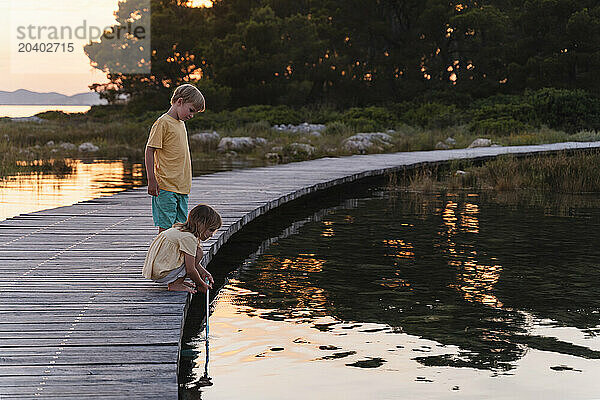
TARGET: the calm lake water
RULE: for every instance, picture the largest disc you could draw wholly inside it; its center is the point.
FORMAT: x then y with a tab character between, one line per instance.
28	111
396	295
26	193
87	180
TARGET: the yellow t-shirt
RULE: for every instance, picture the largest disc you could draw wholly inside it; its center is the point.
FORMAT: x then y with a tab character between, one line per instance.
167	252
172	161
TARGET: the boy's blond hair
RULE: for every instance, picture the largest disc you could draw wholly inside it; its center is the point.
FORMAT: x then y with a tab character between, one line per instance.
189	94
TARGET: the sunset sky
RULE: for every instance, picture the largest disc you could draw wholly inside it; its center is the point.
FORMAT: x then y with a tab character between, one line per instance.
59	72
64	74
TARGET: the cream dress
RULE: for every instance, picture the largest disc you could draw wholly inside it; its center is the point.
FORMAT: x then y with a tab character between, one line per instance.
167	252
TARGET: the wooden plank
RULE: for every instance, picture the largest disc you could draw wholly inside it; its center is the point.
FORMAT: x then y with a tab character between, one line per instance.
87	354
94	390
90	338
89	369
24	382
51	319
86	326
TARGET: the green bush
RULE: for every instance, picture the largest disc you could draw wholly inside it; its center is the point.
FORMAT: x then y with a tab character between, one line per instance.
520	112
369	118
320	114
257	128
570	110
501	126
585	136
149	117
217	97
433	115
271	114
363	124
337	128
214	120
54	115
497	99
106	112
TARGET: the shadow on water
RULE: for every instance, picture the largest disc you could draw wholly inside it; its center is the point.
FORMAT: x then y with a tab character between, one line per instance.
474	270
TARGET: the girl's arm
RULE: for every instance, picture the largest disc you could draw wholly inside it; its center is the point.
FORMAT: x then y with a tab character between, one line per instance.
192	272
202	271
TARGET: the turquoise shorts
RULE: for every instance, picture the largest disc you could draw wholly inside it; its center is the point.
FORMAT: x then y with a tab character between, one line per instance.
168	208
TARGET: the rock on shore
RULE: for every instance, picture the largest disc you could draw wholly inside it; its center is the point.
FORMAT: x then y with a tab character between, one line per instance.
480	143
243	143
205	138
361	143
88	147
300	150
311	129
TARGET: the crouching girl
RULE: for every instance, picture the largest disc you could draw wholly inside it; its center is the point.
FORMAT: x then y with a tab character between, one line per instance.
176	254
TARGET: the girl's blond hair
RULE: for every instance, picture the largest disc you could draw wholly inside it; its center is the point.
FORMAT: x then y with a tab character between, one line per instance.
189	94
200	218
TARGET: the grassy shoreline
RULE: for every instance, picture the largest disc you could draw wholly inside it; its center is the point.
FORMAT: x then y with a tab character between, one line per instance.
118	134
577	172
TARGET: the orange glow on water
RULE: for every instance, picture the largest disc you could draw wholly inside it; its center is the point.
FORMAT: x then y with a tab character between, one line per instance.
476	283
394	283
401	249
475	280
304	262
328	231
28	111
469	221
449	216
34	192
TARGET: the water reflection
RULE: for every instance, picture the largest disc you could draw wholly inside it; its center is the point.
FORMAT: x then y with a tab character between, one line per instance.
328	229
27	111
400	249
475	280
468	280
88	180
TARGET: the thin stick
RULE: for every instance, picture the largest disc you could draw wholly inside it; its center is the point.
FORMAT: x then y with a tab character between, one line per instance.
207	315
205	380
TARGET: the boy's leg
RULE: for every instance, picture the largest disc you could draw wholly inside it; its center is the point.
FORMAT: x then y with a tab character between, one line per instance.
182	207
164	209
179	286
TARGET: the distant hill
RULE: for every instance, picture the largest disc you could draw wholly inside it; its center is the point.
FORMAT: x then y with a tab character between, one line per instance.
26	97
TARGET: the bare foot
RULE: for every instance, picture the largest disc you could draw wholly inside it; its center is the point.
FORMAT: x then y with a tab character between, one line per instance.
180	287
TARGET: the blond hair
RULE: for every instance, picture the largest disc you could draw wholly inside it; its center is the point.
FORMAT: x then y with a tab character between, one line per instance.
189	94
200	218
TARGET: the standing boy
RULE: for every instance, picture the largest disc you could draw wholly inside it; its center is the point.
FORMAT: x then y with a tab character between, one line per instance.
168	161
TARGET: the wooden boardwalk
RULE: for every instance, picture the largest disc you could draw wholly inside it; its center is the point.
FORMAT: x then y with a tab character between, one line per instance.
77	320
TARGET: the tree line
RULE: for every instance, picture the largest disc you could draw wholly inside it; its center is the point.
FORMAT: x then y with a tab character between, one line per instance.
358	53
